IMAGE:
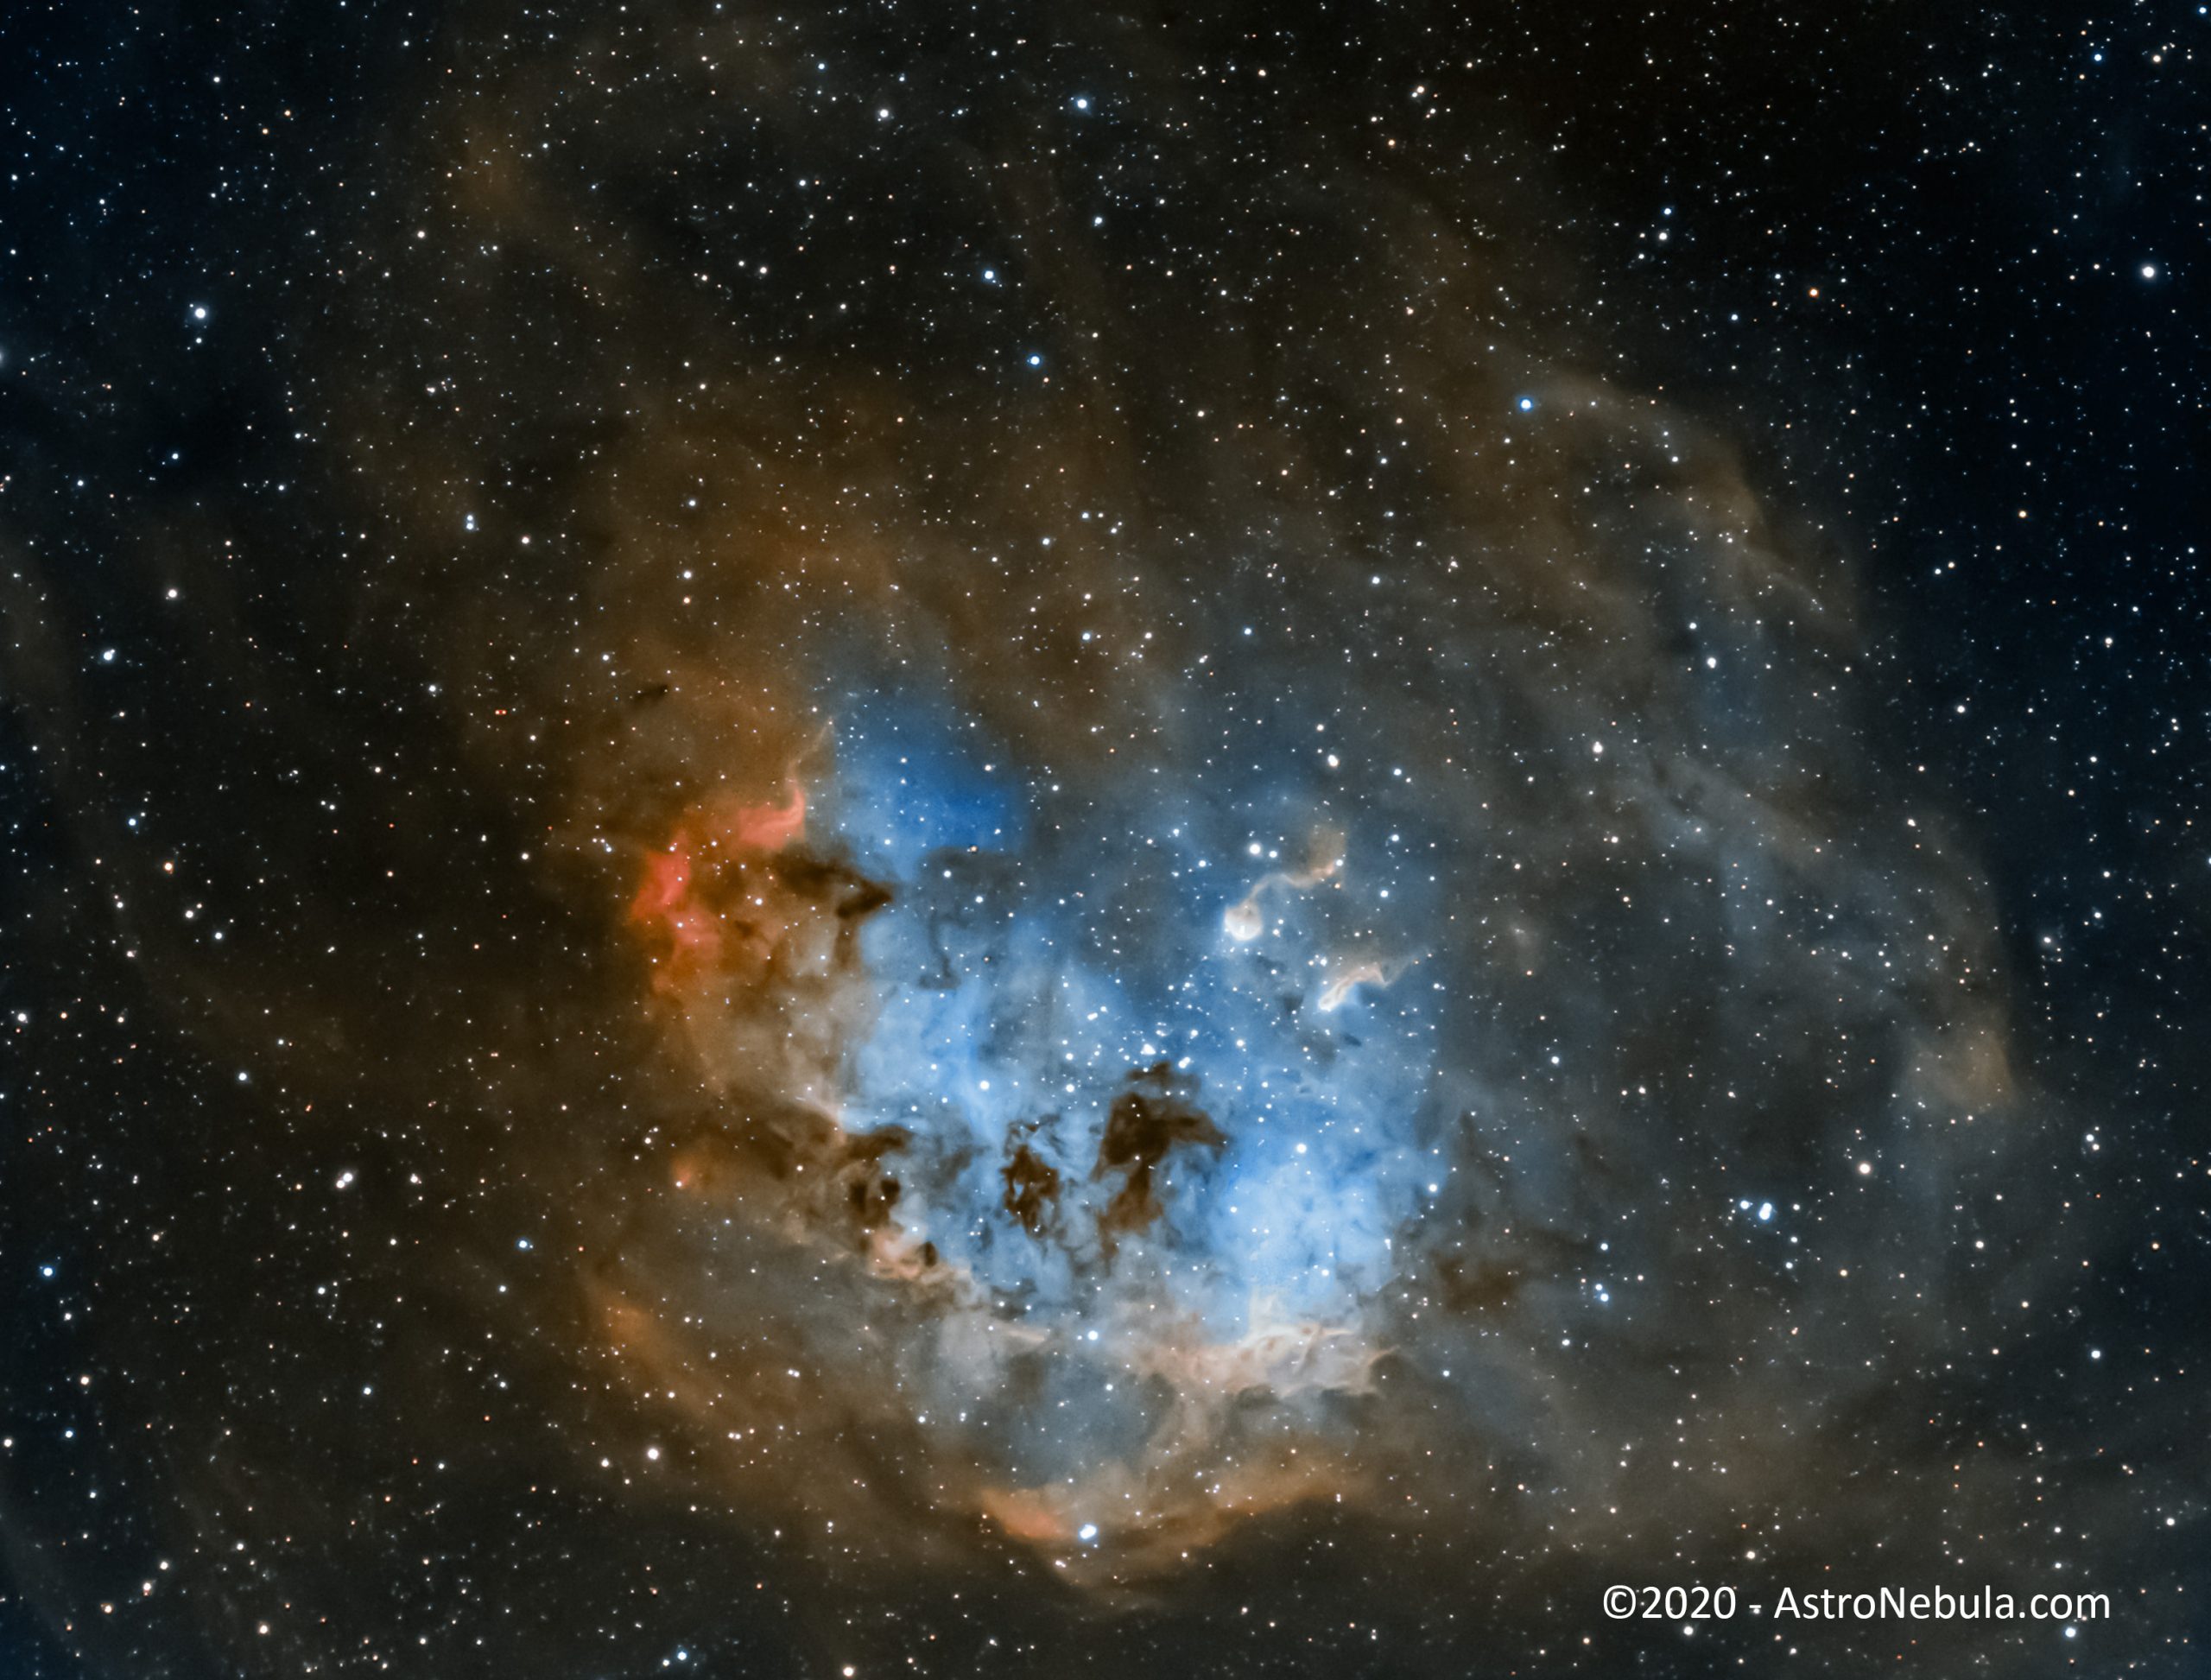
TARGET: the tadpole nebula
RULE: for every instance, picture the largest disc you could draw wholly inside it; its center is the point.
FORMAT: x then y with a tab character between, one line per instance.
1227	840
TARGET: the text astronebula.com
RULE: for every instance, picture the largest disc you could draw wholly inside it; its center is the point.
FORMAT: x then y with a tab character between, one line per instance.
1623	1603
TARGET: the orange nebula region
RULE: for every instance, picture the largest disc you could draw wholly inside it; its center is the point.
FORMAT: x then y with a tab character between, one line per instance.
769	828
670	906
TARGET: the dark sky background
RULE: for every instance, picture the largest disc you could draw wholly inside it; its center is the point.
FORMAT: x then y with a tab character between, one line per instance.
1221	840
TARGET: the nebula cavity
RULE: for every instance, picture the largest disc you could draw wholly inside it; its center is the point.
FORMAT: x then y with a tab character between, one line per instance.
1182	1169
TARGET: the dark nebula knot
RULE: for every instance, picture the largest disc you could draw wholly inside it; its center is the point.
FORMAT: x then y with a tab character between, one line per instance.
1032	1187
1154	1116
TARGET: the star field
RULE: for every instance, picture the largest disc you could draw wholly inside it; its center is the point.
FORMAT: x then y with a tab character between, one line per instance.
921	840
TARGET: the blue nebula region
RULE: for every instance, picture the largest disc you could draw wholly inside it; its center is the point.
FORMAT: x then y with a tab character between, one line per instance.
1045	952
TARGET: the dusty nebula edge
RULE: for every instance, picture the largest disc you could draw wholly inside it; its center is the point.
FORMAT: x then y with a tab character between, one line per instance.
1083	936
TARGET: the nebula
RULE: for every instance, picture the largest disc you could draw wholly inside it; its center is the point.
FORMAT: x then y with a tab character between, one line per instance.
1245	919
948	892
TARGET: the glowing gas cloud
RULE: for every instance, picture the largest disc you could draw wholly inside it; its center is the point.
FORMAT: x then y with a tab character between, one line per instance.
1175	1186
981	941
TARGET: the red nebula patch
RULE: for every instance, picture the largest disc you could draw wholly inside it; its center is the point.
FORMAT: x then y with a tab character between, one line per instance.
769	828
670	906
